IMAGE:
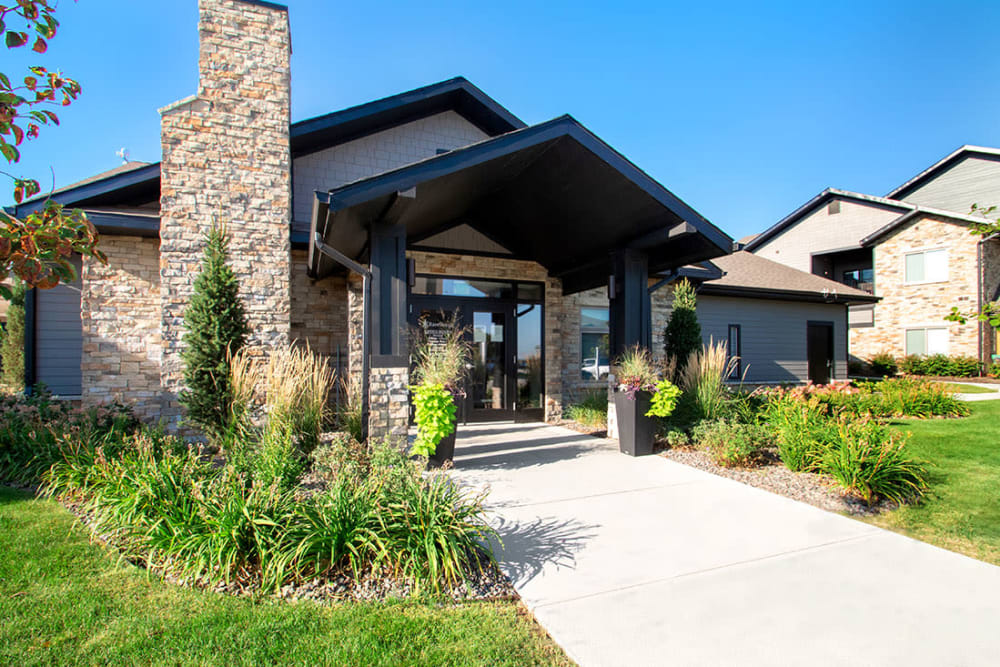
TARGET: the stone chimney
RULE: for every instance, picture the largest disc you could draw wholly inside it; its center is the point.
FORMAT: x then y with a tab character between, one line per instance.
226	158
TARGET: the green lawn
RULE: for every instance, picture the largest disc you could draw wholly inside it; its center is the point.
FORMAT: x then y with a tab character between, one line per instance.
962	510
65	600
968	389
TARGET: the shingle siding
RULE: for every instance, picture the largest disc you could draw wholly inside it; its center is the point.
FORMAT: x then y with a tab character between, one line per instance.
822	231
374	154
973	180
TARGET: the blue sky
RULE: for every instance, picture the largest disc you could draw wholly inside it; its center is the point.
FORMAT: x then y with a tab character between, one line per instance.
744	110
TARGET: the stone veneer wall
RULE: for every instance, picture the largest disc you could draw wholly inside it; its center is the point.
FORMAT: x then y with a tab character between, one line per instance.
906	306
120	308
512	269
226	158
389	407
319	311
991	292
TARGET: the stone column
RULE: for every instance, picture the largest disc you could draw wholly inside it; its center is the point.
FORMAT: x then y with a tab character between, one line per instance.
226	159
388	407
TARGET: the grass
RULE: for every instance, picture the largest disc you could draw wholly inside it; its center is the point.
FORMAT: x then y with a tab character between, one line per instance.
968	389
961	512
66	600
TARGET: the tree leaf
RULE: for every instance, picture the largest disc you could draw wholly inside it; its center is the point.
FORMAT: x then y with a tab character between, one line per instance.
40	46
16	39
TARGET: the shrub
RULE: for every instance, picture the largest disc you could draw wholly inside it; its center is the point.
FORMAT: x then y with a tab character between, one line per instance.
591	410
913	364
216	329
936	364
802	430
731	444
870	463
964	366
441	361
704	379
676	437
349	416
912	397
682	336
995	370
12	346
883	364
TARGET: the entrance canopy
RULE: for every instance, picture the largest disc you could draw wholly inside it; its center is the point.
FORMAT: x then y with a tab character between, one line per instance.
552	193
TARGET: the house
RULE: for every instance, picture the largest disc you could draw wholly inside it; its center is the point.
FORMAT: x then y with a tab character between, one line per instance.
912	248
348	228
781	324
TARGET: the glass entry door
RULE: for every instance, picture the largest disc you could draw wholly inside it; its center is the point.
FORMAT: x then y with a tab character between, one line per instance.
489	385
503	324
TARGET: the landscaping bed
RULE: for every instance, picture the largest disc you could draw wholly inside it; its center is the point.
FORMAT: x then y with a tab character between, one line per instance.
67	601
772	476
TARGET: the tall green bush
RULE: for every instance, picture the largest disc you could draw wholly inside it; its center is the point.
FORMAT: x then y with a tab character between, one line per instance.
12	347
216	328
683	333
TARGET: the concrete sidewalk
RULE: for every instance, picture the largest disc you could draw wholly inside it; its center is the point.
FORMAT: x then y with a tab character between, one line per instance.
648	562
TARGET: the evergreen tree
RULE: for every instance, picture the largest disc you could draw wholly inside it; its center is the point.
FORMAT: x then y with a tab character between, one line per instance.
12	347
216	328
683	333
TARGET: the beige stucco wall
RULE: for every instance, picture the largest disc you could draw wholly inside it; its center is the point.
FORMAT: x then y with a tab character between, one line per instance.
923	305
120	315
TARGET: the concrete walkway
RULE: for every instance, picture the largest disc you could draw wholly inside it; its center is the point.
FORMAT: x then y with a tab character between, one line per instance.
648	562
994	395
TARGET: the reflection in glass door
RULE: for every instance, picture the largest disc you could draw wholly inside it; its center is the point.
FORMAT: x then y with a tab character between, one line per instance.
488	383
529	360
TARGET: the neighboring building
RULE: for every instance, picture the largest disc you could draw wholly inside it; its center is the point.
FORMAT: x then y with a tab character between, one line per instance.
443	199
912	248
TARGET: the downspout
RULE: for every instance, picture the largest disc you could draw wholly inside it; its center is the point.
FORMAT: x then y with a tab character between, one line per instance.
366	289
979	300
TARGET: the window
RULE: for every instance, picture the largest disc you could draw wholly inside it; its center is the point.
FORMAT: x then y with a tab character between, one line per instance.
594	344
930	340
863	279
466	287
927	266
734	350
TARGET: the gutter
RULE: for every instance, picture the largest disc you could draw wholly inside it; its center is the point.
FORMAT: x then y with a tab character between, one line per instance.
366	319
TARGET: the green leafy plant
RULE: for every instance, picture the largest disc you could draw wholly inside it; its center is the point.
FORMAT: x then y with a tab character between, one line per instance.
870	463
883	364
802	431
682	335
731	444
216	330
434	415
665	396
12	345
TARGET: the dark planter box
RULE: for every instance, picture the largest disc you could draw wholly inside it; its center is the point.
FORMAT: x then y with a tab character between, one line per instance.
444	452
635	429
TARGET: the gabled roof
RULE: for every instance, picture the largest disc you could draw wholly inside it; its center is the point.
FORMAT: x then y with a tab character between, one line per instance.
314	134
456	94
906	210
943	164
750	275
553	193
814	203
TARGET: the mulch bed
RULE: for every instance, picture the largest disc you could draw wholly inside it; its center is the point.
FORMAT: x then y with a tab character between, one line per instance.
806	487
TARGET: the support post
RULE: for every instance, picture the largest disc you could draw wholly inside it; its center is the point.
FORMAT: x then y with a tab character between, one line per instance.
388	370
630	301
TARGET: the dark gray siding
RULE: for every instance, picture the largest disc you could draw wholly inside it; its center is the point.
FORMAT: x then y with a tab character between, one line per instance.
774	334
974	180
59	338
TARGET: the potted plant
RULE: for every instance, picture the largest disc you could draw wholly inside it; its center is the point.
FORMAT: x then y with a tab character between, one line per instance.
440	362
640	396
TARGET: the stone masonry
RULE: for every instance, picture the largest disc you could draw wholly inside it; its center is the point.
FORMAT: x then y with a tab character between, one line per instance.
922	305
226	160
388	407
120	304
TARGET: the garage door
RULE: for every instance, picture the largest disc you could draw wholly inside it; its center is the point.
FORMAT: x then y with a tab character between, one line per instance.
59	338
